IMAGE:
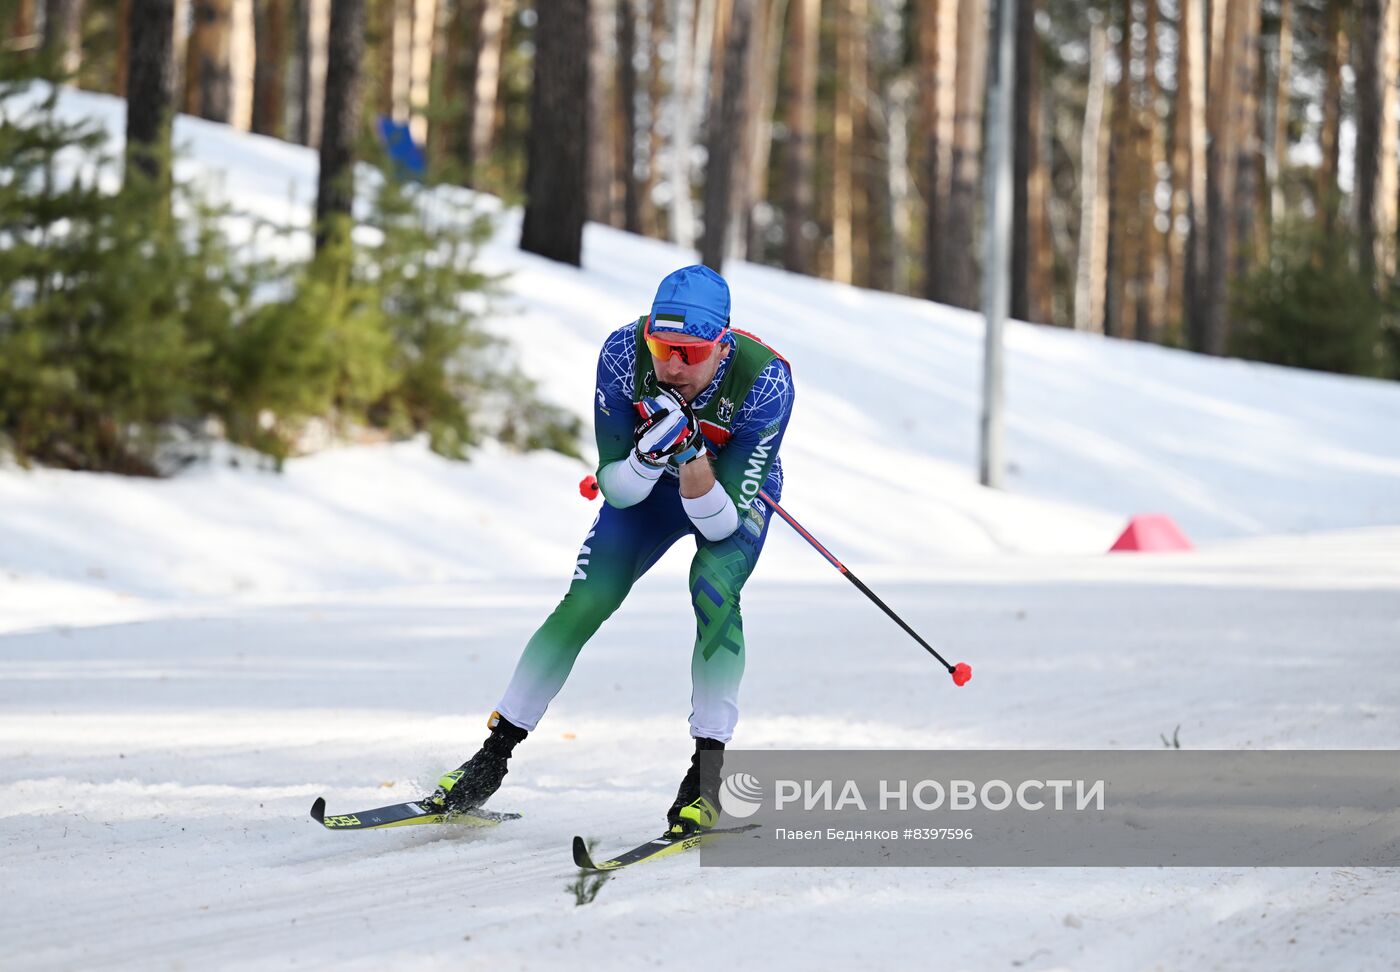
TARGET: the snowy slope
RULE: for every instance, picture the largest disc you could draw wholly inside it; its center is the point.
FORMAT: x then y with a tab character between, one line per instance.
186	664
880	455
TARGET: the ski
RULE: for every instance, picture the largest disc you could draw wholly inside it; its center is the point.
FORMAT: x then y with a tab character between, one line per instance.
403	815
663	846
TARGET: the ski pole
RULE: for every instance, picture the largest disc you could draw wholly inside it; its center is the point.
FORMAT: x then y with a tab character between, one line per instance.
961	672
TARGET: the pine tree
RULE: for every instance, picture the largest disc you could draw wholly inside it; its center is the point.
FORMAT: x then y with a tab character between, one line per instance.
800	149
149	88
270	22
725	139
335	185
556	180
108	307
208	79
626	153
964	285
63	34
937	35
1030	247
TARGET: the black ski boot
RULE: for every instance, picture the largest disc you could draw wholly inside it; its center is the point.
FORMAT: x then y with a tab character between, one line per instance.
697	801
472	783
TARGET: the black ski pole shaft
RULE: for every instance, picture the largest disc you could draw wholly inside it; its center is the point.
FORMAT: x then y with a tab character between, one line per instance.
961	672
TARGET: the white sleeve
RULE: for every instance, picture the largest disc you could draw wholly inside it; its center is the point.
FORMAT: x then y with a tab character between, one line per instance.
713	514
627	482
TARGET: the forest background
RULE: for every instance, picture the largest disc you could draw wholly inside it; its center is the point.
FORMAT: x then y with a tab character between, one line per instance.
1209	175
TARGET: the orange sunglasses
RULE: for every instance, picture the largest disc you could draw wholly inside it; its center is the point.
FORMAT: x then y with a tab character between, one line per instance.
690	352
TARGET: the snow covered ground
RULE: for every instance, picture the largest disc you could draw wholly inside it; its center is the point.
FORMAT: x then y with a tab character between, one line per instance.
185	665
156	774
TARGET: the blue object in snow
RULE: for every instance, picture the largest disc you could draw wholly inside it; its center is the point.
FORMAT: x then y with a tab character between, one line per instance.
403	151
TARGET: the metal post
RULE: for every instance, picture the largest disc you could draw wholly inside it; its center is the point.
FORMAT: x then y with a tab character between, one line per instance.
995	263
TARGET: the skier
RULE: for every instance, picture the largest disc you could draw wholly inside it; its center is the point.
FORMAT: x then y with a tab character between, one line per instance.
689	415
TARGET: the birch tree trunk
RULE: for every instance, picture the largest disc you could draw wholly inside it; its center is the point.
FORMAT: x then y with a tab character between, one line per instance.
494	31
312	28
1093	223
242	64
399	19
682	95
1375	138
1388	192
420	67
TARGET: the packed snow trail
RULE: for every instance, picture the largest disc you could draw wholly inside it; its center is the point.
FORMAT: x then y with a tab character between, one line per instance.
155	775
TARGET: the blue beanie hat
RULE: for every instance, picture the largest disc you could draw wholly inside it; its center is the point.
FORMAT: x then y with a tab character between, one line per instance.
694	301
